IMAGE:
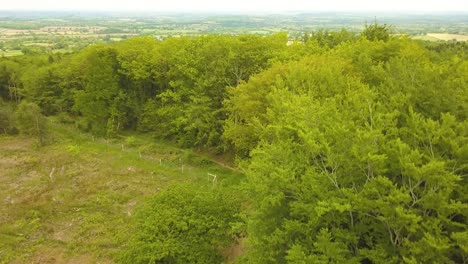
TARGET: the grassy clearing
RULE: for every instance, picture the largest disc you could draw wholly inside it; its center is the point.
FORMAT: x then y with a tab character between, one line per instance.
72	201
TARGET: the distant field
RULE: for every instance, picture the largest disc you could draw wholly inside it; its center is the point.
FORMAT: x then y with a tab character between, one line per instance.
36	32
426	37
442	36
52	30
449	36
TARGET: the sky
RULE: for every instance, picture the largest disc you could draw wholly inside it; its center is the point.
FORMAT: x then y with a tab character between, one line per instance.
238	5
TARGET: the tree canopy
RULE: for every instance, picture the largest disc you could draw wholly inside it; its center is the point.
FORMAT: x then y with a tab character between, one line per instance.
354	146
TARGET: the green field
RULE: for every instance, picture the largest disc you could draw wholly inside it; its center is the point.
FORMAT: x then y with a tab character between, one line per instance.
442	37
72	201
10	53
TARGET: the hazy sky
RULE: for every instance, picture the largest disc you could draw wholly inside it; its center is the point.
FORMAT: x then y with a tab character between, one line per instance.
239	5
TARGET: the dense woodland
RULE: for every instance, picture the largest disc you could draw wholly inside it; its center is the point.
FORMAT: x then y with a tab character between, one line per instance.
354	146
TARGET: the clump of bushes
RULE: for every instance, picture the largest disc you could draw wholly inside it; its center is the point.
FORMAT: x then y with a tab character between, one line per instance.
26	118
184	224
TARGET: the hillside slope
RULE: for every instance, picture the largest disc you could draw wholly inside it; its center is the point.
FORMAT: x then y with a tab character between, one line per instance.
72	201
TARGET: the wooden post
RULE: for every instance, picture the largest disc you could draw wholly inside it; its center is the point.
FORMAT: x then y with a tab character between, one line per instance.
215	177
51	174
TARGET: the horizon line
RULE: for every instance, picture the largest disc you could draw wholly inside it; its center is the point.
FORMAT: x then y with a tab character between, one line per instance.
239	11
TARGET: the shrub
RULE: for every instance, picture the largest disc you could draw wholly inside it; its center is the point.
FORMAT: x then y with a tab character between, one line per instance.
7	125
131	141
31	122
65	118
183	224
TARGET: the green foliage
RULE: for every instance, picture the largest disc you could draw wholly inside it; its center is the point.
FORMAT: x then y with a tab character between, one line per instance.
9	79
73	149
199	69
43	86
100	103
355	150
376	32
331	39
184	224
131	141
7	123
347	167
138	60
194	74
31	122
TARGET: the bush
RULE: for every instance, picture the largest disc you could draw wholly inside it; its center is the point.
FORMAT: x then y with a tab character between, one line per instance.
65	118
131	141
183	224
7	125
31	122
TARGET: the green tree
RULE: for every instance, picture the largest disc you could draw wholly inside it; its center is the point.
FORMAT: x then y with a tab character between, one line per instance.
138	60
343	170
376	32
99	101
332	39
9	80
42	85
192	76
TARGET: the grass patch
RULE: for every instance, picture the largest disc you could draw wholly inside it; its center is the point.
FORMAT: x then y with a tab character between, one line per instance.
73	200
